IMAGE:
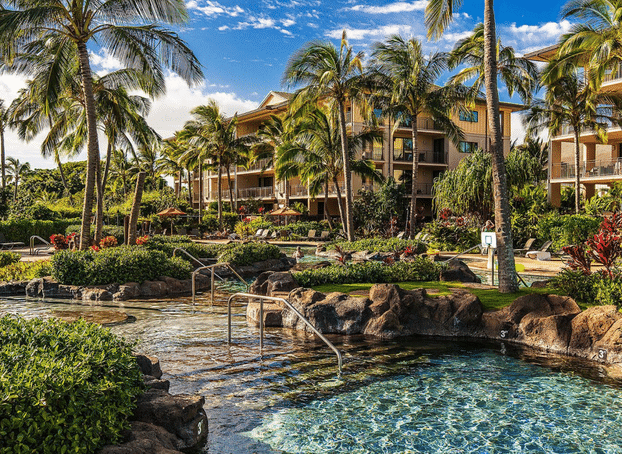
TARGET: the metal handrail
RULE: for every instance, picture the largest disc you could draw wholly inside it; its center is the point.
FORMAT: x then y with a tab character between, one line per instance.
261	322
460	253
32	243
188	254
212	281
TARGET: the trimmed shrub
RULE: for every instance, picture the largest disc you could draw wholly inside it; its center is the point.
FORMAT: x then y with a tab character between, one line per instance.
579	286
421	269
107	230
609	291
66	387
23	229
245	229
567	230
383	245
302	227
9	258
249	253
22	271
116	265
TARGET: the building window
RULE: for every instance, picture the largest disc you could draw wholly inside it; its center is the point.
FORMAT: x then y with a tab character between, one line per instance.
471	117
468	147
402	149
378	113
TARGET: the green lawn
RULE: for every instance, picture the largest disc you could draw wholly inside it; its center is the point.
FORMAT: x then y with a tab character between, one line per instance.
491	298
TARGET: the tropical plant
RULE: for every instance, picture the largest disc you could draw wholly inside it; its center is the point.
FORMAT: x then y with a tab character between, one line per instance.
334	75
3	126
125	28
438	15
405	89
17	170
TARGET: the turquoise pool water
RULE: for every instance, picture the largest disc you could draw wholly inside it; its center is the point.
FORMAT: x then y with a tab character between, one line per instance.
466	402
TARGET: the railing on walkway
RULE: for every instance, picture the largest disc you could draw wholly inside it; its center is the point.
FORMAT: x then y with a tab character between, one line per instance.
212	280
34	251
194	259
587	169
261	327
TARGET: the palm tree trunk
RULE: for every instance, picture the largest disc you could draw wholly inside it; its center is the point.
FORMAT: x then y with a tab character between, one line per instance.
2	157
15	188
219	189
189	186
63	179
230	190
138	195
577	172
93	145
326	214
200	190
413	189
342	213
347	175
508	282
287	193
178	186
107	168
99	219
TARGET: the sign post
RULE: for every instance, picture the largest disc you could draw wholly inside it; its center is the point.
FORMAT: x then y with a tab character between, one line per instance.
489	241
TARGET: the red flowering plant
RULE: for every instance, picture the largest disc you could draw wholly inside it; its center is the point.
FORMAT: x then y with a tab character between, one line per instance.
141	240
261	210
59	241
95	248
106	242
242	209
579	259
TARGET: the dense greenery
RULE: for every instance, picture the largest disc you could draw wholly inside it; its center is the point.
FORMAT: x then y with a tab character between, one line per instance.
108	230
383	245
23	229
374	210
64	387
116	265
421	269
453	233
566	230
235	253
22	271
8	258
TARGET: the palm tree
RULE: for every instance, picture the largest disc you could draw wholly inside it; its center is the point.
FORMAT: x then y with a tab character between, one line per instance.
170	163
4	118
438	15
335	75
593	42
124	27
571	102
405	78
17	170
316	155
120	169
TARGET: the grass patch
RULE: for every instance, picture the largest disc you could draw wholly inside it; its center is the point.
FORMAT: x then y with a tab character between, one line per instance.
491	299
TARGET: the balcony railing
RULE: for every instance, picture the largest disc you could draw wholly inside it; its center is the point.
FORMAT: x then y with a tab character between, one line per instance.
422	123
298	190
262	164
375	155
425	157
587	169
247	193
611	75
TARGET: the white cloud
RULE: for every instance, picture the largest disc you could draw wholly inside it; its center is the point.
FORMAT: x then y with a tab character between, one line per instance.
288	22
104	63
391	8
371	33
525	38
170	112
214	9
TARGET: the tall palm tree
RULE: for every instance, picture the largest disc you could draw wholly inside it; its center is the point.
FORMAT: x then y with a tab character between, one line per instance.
406	79
4	118
438	15
316	155
170	163
571	102
335	75
17	170
120	169
124	27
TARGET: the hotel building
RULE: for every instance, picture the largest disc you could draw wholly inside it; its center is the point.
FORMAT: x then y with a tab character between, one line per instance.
600	164
393	157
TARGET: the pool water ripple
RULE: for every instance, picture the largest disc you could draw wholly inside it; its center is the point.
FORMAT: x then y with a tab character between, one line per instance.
467	402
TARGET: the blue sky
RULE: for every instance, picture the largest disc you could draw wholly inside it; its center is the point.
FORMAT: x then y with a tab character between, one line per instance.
244	47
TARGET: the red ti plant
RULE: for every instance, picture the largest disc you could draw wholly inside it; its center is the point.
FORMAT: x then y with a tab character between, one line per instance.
579	258
605	247
59	241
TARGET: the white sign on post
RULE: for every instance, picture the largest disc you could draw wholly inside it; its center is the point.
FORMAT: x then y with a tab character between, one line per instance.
489	240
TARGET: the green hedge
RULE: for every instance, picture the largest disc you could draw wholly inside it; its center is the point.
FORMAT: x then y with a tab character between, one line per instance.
107	230
302	227
22	271
421	269
23	229
249	253
9	258
116	265
567	230
65	387
383	245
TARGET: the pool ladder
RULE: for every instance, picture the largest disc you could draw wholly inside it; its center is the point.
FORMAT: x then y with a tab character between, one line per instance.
34	251
263	298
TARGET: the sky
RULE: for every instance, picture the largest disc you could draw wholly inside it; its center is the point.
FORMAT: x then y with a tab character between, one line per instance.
244	48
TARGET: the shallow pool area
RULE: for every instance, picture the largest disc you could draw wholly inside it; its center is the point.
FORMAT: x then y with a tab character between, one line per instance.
409	395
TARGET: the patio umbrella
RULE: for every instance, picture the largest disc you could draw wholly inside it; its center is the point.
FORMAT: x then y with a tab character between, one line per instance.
170	213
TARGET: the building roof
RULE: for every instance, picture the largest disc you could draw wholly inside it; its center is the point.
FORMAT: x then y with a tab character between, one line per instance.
545	54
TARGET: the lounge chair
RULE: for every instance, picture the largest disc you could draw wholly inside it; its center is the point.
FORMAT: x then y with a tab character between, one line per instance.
324	235
542	253
258	233
182	231
4	244
265	234
525	248
311	235
195	233
400	235
275	235
417	236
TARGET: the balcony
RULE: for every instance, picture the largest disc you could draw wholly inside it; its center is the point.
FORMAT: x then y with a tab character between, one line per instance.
260	165
425	157
248	193
610	76
423	123
588	169
423	189
298	190
375	155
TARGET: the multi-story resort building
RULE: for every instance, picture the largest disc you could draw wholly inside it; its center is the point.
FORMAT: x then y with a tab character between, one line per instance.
393	157
600	164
